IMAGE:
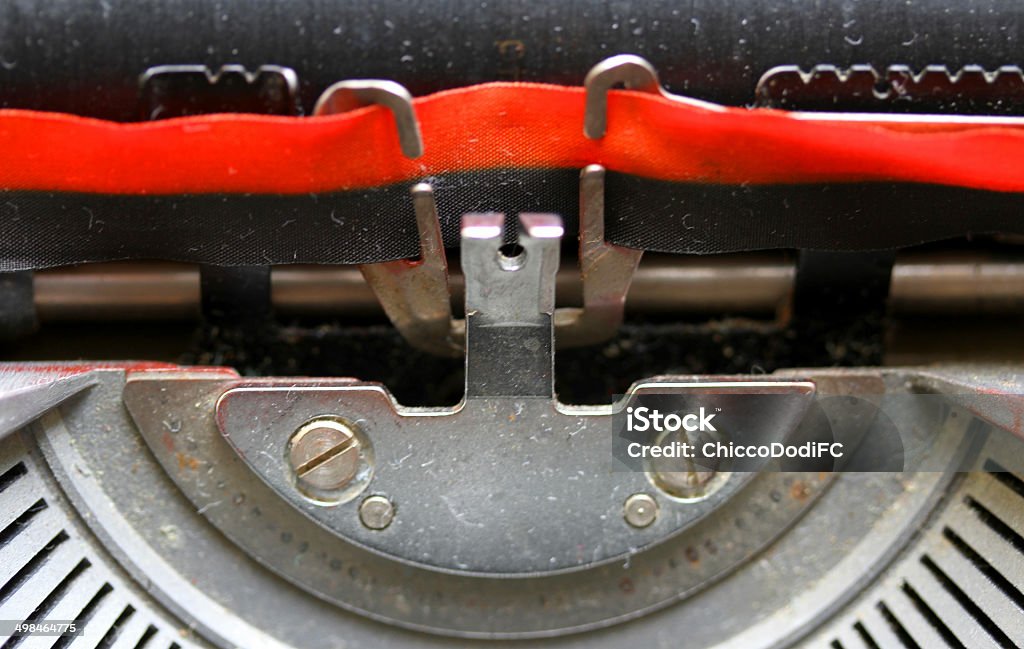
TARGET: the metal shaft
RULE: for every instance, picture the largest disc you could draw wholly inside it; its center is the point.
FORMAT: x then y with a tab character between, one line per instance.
922	283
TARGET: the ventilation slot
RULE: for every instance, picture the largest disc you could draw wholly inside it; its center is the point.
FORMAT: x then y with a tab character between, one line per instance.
962	584
970	607
865	636
146	637
30	568
996	524
897	627
931	617
85	615
111	635
1001	474
48	573
21	521
985	568
40	613
12	474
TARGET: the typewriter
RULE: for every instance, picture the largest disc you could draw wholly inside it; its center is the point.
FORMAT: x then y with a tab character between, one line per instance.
458	323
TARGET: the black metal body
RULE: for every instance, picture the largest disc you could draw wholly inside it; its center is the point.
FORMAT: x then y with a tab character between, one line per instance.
86	58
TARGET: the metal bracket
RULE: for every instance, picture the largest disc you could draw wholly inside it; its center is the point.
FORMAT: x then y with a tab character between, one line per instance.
606	270
357	93
177	90
633	72
415	294
416	298
636	73
971	89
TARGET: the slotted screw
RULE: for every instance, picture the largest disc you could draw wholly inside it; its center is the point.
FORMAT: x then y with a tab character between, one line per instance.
324	454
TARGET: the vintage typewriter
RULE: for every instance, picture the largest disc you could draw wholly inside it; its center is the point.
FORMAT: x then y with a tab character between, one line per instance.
460	323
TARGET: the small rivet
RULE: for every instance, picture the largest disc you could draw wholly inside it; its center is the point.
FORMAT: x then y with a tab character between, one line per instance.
376	512
640	510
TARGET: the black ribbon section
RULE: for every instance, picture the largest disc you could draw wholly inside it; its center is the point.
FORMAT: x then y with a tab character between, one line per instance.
706	219
47	229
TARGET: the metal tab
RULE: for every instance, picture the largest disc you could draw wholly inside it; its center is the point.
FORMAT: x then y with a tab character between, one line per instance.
167	91
606	270
415	294
356	93
20	404
969	90
631	71
510	299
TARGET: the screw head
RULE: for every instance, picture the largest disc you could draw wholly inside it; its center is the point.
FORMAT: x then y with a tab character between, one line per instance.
376	512
640	510
684	479
687	484
324	454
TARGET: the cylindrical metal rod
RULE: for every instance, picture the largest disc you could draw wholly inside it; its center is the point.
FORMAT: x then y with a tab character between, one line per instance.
750	284
118	291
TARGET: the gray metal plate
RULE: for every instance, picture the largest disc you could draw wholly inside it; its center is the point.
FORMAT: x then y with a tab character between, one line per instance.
498	486
175	415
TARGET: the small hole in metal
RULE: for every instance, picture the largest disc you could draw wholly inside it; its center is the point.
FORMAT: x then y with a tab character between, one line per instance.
511	257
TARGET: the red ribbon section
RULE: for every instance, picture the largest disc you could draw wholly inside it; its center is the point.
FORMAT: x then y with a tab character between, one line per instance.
498	125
